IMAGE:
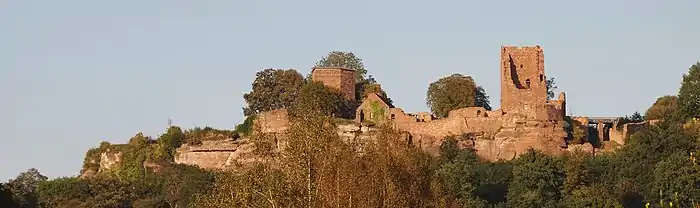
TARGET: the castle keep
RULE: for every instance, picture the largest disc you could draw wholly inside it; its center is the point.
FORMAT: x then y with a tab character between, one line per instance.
339	78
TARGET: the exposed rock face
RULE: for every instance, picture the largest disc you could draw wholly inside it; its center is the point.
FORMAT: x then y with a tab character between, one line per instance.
221	154
110	160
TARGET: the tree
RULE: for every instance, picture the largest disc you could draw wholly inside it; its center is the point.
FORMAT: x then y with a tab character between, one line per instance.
663	107
482	99
689	93
23	187
537	179
6	196
677	179
168	142
449	93
315	97
273	89
377	89
551	86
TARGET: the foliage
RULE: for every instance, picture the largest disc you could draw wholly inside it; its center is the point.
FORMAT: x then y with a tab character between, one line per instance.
23	187
689	93
551	86
482	99
246	127
196	135
449	93
373	87
319	99
168	142
634	118
378	112
273	89
537	179
131	167
662	108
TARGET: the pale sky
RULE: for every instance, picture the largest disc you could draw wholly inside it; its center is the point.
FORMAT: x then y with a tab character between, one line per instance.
74	73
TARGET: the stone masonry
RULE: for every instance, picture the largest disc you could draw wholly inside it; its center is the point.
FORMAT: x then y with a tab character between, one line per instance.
339	78
523	81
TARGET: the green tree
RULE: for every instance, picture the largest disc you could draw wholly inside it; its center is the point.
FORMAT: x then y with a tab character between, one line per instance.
182	182
315	97
537	179
664	106
449	93
456	179
482	99
551	86
677	179
6	199
168	142
23	187
273	89
377	89
689	93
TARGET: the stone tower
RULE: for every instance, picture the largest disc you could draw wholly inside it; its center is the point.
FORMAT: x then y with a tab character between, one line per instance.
339	78
523	81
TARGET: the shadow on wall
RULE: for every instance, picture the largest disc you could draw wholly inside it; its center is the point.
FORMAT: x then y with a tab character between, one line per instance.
514	73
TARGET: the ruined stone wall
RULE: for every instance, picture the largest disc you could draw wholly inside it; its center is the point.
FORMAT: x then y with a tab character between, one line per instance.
523	82
337	78
453	125
274	121
471	112
401	117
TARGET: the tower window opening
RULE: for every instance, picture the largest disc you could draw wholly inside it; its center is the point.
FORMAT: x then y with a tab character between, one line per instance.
527	83
541	78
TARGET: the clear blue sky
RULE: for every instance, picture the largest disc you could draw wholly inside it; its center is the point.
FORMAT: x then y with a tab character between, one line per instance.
74	73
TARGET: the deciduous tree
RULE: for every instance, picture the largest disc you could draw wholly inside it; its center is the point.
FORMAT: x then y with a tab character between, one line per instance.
23	187
273	89
689	93
449	93
315	97
663	107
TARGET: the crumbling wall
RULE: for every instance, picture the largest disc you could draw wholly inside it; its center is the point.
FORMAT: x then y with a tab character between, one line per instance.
274	121
471	112
399	116
342	79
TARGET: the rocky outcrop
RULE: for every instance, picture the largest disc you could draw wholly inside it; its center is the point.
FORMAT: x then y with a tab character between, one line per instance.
109	160
217	154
